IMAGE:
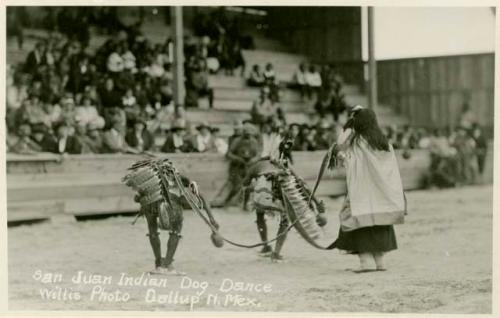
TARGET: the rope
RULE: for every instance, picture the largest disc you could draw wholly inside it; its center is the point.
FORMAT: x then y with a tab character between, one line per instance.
197	209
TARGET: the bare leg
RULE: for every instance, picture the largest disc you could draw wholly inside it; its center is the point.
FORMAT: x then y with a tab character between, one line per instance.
262	227
275	256
364	260
379	260
154	238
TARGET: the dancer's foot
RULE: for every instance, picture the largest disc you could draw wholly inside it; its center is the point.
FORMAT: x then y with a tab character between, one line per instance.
363	270
158	271
266	250
276	258
170	270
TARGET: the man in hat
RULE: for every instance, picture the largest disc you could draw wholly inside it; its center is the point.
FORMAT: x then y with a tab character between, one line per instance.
204	141
176	141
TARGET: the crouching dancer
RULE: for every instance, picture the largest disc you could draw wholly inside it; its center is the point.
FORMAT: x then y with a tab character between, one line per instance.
266	179
160	192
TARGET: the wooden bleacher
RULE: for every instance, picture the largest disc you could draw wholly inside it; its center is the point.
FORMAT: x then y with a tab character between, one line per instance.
46	185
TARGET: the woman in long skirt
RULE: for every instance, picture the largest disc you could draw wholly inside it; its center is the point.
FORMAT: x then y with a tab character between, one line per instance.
375	199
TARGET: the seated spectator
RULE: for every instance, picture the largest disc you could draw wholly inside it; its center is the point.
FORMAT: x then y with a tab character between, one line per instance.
30	112
197	83
294	132
24	144
87	114
313	81
256	78
220	143
115	63
269	75
95	138
110	97
264	109
65	143
83	143
44	137
129	59
68	112
324	138
35	59
323	105
176	141
114	139
203	140
139	137
300	80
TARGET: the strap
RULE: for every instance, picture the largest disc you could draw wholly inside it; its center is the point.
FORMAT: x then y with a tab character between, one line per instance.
197	209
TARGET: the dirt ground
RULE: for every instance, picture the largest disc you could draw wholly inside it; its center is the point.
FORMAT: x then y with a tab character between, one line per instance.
443	265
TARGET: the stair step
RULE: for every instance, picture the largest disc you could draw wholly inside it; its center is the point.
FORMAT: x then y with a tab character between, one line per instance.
246	105
217	117
251	94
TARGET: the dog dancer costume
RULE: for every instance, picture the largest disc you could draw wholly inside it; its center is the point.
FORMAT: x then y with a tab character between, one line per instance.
160	192
375	198
277	190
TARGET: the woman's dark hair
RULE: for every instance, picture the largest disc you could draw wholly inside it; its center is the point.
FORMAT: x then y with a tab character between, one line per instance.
364	124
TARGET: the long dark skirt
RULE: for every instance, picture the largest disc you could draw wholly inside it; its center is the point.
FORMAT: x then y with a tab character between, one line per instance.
371	239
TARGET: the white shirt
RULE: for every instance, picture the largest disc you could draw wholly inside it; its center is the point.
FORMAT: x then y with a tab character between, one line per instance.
313	79
115	63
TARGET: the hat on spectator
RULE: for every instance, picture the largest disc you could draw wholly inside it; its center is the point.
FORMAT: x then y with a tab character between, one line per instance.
178	125
293	124
251	130
203	125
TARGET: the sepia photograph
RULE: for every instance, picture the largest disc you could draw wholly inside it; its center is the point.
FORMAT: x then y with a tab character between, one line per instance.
249	159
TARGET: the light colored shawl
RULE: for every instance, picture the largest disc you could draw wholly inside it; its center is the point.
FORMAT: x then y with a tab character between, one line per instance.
374	187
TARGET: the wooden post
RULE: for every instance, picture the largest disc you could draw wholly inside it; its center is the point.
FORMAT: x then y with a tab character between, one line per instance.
372	63
178	62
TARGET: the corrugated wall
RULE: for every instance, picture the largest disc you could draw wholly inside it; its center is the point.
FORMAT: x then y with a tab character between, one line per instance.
431	91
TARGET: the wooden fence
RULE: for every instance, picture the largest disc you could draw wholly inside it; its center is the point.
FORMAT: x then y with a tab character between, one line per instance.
46	185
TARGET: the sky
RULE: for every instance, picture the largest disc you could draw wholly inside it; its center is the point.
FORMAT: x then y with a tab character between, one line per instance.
431	31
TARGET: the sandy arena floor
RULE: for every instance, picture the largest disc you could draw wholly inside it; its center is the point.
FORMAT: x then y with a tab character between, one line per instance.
443	265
